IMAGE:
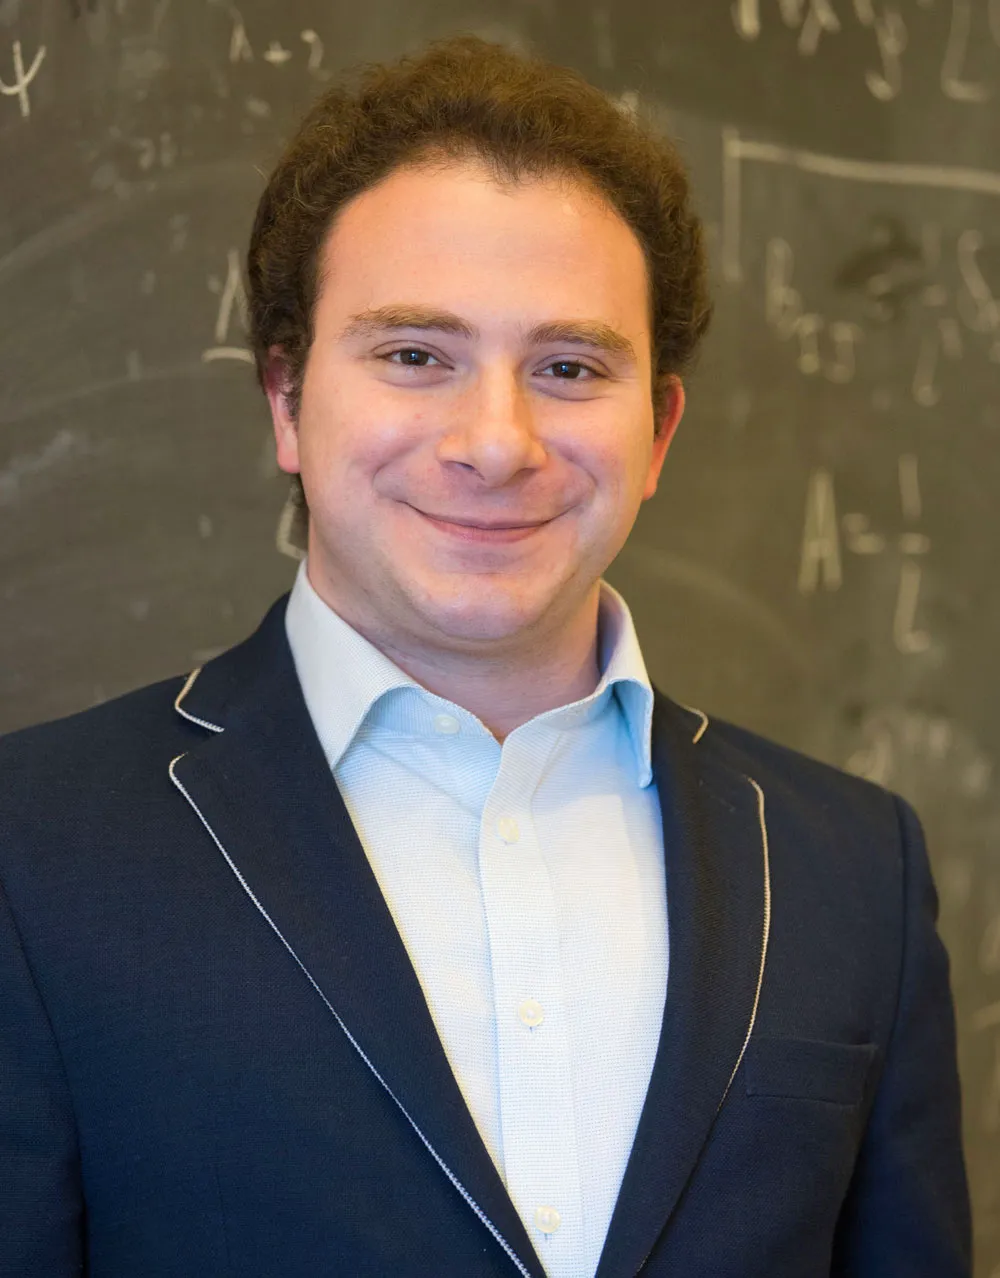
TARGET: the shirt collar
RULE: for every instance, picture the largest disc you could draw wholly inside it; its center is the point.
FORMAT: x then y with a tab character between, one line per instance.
343	675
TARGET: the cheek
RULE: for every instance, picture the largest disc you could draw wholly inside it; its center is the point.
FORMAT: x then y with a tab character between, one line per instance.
347	438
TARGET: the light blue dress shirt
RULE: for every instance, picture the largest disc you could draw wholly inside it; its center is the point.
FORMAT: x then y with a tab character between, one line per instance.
527	883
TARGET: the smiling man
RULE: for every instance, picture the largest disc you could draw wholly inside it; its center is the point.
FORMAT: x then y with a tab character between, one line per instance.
420	933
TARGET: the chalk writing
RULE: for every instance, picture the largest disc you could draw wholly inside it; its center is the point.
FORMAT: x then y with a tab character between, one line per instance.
787	316
893	272
952	83
821	537
276	54
160	151
232	304
892	33
19	86
824	536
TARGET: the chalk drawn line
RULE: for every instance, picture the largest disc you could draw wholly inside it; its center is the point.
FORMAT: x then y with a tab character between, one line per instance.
736	150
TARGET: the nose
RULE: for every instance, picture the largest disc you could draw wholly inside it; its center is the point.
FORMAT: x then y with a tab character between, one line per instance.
493	431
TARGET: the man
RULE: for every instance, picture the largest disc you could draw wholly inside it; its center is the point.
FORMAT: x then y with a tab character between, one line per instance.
419	934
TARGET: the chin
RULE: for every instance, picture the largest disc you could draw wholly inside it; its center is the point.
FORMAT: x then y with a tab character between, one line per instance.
476	615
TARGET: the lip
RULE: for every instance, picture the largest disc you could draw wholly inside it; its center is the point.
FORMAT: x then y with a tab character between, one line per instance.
491	534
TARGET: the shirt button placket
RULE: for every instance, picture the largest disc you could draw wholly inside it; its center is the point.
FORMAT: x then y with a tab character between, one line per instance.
537	1116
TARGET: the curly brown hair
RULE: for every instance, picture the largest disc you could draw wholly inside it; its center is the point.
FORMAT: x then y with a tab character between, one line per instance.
523	117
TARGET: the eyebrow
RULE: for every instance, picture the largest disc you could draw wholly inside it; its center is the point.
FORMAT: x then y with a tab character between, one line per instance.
574	332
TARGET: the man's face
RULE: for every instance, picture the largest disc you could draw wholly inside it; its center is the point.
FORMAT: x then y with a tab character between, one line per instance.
431	412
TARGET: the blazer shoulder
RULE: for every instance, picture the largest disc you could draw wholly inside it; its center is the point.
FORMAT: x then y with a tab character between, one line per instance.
794	774
106	743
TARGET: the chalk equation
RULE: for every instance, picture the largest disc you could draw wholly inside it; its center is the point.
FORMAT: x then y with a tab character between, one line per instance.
827	536
937	281
276	54
892	27
23	77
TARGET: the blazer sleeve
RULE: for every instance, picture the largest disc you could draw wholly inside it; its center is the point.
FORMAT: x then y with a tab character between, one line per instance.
41	1200
907	1212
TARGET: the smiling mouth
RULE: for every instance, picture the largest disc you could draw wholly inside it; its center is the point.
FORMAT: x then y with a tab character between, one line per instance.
476	531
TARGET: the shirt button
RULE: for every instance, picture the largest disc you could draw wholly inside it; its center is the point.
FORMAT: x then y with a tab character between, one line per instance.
531	1013
507	829
547	1219
447	724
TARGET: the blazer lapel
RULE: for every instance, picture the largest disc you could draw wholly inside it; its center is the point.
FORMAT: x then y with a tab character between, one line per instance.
718	906
262	788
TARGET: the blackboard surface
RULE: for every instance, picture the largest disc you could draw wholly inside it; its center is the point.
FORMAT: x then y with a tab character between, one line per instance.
820	563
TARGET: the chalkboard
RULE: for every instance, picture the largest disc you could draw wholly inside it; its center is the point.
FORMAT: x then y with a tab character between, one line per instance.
820	562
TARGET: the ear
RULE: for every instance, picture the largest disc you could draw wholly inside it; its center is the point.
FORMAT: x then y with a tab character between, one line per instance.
666	427
286	433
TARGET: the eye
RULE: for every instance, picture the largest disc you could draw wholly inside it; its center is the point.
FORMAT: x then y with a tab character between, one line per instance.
408	350
574	364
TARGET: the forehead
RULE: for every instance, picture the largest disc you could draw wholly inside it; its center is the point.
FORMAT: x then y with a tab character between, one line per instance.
442	224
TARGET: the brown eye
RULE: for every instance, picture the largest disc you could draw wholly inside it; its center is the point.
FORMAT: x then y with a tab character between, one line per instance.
572	363
406	351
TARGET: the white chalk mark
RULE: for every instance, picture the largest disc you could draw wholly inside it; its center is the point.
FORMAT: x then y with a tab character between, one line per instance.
239	44
233	297
864	12
909	487
984	316
782	303
628	103
821	539
60	447
242	354
22	78
914	543
874	761
846	337
952	83
859	536
925	388
288	522
821	19
732	207
315	44
892	38
907	639
746	17
808	328
276	54
876	172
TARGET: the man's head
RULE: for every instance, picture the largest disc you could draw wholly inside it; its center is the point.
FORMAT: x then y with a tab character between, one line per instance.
474	283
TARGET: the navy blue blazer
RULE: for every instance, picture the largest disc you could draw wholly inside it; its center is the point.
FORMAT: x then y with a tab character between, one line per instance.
216	1059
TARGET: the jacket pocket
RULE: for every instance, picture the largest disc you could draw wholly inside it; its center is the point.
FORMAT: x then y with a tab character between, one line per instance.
806	1069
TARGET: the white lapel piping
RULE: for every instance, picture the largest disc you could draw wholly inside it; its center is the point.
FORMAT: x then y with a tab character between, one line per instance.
704	722
351	1039
202	723
762	819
